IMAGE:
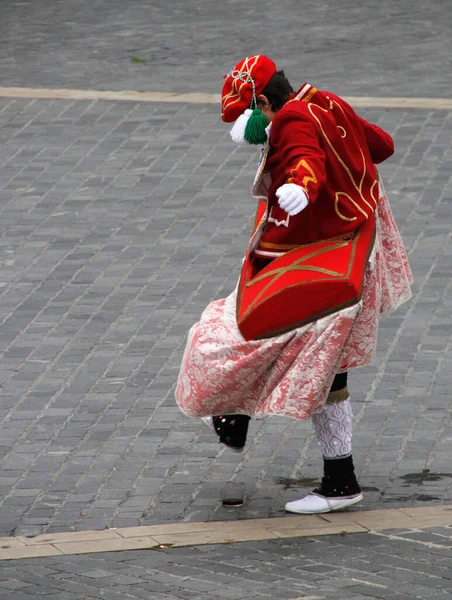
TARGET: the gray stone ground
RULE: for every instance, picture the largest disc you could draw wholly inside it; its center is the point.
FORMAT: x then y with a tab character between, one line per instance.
386	47
397	565
121	221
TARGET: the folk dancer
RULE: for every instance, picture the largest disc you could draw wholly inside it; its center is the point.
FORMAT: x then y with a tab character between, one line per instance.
317	182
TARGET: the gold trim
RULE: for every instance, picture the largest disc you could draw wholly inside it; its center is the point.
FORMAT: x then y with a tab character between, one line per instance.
309	95
338	238
337	396
310	319
362	181
372	192
339	214
306	179
271	246
338	105
279	272
258	224
307	268
286	269
353	252
357	187
236	90
282	270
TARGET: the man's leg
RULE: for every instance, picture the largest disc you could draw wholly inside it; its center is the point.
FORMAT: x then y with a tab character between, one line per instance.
333	429
230	429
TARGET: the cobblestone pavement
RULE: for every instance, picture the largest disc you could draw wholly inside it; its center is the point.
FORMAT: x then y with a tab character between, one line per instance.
386	48
396	565
120	221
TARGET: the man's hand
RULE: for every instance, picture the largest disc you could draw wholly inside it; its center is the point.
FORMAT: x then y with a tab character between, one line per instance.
292	198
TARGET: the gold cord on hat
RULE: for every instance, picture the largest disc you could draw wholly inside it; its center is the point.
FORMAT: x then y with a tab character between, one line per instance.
244	77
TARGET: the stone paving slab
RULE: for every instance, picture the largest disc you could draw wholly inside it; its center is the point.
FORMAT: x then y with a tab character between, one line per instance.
223	532
120	221
354	47
203	98
398	564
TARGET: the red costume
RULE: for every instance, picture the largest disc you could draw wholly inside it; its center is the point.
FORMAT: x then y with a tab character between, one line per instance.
336	263
319	148
318	142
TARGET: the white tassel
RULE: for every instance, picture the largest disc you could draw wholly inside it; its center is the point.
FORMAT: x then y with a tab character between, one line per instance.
237	133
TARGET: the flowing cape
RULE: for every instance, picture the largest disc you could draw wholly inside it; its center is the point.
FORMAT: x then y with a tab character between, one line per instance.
291	374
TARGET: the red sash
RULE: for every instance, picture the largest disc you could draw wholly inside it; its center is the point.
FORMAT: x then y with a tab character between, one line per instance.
303	285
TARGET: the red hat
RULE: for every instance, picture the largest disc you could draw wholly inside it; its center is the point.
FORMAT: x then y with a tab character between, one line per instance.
243	84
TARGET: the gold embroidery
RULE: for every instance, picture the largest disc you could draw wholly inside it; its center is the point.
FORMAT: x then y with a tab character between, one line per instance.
372	192
363	176
278	246
264	216
306	178
337	238
355	204
324	314
337	396
276	274
309	95
337	211
237	85
295	267
341	129
357	187
337	104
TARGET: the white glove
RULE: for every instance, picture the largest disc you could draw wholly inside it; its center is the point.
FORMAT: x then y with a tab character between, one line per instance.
292	198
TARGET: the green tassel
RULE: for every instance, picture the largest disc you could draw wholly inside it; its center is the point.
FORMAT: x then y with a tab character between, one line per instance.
255	128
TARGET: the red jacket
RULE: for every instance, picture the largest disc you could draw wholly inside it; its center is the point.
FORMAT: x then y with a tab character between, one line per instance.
317	141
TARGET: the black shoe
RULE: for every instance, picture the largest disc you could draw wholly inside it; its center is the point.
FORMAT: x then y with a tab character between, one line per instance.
231	430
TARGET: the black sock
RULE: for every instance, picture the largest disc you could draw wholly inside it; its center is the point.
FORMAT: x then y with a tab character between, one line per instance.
339	478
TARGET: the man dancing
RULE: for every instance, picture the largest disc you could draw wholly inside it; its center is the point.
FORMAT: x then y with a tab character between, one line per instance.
317	183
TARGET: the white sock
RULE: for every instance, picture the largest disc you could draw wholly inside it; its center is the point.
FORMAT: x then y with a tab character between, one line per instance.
333	429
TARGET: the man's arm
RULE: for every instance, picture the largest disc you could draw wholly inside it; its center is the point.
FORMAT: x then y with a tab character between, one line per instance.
380	143
302	158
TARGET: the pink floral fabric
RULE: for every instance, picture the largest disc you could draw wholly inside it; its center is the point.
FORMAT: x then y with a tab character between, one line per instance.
291	374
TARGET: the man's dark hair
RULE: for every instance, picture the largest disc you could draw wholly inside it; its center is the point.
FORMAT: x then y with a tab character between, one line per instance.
277	91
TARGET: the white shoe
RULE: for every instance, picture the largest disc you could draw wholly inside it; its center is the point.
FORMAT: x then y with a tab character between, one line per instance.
314	503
